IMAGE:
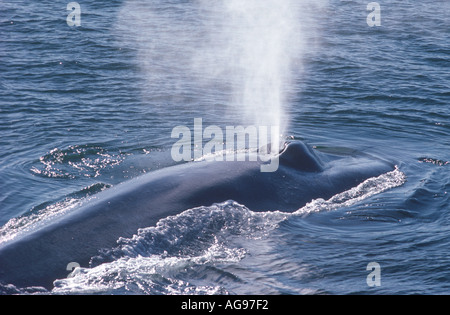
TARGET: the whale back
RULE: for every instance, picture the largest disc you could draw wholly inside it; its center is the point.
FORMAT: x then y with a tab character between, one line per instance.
40	256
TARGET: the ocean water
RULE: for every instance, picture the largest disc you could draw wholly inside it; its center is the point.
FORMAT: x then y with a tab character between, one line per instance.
83	108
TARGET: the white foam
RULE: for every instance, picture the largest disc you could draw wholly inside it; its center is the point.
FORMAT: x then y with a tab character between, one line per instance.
35	219
156	274
18	226
366	189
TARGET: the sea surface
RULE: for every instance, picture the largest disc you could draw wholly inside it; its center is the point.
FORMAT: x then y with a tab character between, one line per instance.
84	108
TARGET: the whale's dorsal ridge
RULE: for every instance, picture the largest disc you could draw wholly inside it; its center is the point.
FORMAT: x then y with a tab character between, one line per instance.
300	156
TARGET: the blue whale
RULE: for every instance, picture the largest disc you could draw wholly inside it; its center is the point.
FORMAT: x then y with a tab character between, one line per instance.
40	256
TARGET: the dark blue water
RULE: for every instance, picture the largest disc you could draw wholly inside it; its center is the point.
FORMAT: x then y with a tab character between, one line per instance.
84	108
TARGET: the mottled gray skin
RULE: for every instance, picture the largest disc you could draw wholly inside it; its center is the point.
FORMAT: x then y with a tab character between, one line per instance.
41	256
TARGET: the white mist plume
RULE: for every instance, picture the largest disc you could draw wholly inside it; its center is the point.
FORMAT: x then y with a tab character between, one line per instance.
241	53
253	48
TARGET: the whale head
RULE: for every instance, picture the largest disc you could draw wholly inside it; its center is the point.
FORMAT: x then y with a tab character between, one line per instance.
300	156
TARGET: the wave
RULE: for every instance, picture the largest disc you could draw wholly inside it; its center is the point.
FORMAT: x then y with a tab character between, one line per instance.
76	161
47	212
366	189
